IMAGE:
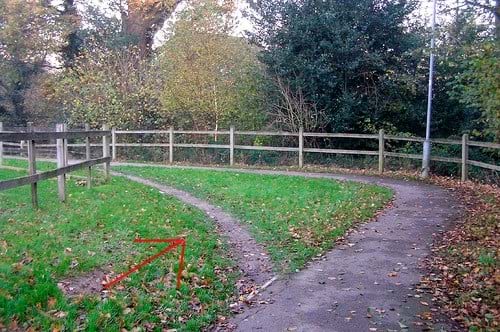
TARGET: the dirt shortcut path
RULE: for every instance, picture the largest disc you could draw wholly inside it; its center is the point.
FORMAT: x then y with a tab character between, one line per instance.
368	283
250	256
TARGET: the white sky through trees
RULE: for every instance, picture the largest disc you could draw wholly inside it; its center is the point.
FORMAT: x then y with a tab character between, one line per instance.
110	8
243	23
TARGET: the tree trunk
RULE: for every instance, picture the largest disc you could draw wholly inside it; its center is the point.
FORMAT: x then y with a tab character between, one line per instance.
144	18
73	42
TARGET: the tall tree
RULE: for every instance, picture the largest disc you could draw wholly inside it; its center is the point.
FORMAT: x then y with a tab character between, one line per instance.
480	88
31	32
73	45
212	78
350	58
470	69
113	86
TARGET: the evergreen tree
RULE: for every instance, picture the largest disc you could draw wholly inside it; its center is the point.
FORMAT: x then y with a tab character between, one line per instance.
351	58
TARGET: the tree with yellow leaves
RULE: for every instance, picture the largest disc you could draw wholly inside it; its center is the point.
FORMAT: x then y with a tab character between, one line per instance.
212	79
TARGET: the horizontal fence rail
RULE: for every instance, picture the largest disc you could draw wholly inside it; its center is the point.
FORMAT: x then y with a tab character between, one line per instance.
167	139
340	135
45	136
266	133
25	180
30	138
341	151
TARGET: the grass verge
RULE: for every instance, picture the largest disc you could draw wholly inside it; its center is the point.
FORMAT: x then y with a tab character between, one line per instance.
296	218
93	231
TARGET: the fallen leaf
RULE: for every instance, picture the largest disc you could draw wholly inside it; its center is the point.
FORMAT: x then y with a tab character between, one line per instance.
51	302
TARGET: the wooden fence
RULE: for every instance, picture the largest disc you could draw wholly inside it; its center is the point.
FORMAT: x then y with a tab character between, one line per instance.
381	152
61	135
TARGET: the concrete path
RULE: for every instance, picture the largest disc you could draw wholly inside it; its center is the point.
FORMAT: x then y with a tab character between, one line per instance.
368	283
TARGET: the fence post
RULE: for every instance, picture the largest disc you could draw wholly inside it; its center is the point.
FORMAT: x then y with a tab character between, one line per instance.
1	145
87	157
61	179
65	145
381	150
105	153
32	167
301	147
465	157
231	146
171	145
113	143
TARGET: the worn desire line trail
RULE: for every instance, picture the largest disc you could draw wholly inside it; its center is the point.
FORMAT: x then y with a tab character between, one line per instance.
367	284
250	256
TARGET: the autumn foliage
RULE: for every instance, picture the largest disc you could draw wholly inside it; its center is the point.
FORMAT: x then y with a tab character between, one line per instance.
465	270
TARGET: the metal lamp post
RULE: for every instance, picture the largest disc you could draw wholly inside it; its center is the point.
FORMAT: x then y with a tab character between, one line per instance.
427	143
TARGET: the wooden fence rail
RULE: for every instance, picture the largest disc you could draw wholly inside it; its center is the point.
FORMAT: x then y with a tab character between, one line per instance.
168	140
61	135
381	137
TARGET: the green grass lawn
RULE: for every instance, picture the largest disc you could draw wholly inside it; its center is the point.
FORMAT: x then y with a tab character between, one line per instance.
94	231
296	218
21	163
41	166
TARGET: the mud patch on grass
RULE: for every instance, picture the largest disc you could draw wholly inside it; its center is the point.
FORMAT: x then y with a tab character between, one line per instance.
89	283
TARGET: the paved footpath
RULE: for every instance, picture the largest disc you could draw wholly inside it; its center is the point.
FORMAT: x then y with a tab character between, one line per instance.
368	283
